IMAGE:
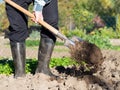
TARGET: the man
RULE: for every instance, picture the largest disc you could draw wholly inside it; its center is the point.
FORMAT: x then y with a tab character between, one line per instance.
43	9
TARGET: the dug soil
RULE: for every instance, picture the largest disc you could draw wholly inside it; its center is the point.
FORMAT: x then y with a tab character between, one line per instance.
107	78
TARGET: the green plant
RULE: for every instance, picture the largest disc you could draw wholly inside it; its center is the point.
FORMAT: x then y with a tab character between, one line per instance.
108	32
61	62
102	42
76	32
31	65
6	65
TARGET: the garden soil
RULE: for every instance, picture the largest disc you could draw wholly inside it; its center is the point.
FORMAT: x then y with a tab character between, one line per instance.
106	78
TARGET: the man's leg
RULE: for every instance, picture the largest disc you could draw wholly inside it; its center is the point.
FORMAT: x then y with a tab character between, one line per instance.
47	42
18	34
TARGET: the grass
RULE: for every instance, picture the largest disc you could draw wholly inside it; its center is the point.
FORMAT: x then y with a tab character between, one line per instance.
115	48
33	43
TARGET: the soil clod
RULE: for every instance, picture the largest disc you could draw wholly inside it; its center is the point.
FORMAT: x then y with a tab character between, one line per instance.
88	53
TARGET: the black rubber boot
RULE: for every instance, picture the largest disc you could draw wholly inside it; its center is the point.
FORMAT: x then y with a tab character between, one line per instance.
18	54
44	56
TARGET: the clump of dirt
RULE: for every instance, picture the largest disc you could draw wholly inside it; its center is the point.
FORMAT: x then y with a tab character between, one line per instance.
84	51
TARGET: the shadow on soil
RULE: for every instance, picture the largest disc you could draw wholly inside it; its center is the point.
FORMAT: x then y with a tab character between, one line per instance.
88	76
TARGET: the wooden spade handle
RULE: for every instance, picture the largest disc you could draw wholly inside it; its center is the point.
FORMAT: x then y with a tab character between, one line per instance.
41	22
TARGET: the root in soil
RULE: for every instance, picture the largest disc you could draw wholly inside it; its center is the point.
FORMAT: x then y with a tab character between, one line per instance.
84	51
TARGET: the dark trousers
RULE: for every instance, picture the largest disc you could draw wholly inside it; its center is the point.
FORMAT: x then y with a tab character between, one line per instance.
50	14
19	22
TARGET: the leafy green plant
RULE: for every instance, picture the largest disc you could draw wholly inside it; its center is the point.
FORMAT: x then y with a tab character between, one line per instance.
107	32
6	65
76	32
100	41
100	37
61	62
31	65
